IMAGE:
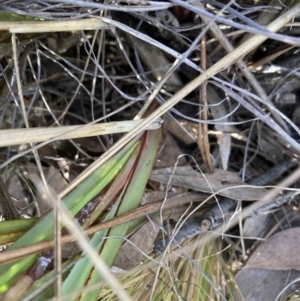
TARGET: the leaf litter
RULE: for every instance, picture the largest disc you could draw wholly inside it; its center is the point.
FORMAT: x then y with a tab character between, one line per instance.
221	182
274	254
271	267
85	77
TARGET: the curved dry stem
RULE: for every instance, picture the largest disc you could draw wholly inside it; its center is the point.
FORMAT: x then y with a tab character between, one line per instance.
221	65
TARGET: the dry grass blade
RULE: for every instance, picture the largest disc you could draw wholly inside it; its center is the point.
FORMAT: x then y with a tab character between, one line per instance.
53	26
222	64
66	66
32	135
179	279
142	211
242	65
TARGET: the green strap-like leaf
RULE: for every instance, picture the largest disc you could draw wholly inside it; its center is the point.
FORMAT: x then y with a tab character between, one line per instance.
130	201
81	271
79	197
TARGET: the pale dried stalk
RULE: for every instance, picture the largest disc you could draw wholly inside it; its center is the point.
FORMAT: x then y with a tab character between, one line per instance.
203	141
32	135
57	249
53	26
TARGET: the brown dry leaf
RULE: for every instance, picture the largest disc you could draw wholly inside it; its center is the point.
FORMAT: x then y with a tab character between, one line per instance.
257	225
169	153
273	265
226	181
142	240
279	252
152	196
55	182
264	285
55	179
184	130
155	196
15	189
